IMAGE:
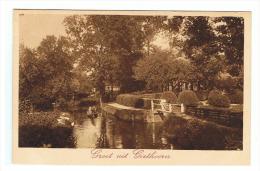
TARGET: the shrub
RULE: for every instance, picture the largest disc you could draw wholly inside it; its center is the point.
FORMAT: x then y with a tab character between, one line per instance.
157	95
169	96
217	99
61	103
236	97
196	134
202	95
41	128
130	100
144	100
188	97
146	103
24	106
87	102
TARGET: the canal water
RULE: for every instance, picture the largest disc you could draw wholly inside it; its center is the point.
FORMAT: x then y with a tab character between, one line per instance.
109	132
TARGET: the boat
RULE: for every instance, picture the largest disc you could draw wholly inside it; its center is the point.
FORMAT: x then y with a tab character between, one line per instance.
92	112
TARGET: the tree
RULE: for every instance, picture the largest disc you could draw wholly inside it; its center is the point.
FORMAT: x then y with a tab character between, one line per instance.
154	70
28	71
110	45
214	45
183	72
231	37
202	48
45	73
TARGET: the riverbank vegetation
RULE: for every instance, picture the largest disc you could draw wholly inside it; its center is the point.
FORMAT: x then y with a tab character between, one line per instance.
42	129
121	58
192	133
102	53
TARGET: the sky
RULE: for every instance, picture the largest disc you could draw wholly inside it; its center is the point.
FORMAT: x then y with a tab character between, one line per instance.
35	27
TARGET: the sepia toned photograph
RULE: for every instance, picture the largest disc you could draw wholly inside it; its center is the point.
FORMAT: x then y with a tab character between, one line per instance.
128	80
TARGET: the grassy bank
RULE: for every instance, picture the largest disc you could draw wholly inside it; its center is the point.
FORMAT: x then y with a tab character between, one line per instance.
42	129
191	133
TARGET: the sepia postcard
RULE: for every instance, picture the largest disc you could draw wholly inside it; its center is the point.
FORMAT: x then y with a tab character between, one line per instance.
131	87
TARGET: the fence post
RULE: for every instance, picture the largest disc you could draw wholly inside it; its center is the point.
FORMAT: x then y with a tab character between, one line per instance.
152	105
170	107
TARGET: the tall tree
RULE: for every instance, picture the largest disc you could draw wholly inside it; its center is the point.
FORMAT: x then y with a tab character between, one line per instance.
99	38
45	73
231	37
202	48
155	70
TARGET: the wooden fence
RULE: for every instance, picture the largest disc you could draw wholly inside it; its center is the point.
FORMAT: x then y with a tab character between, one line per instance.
218	115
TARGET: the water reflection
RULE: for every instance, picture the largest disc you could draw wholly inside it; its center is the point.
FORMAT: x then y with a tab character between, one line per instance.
109	132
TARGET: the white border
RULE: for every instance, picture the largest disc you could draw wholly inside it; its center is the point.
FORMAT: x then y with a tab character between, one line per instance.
6	31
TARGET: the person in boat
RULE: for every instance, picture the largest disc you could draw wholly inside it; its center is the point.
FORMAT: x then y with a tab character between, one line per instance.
92	111
89	112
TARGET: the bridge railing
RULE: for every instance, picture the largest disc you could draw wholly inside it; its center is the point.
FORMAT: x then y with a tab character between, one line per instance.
160	105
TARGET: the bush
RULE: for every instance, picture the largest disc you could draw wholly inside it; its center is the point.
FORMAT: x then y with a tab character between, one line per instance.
62	103
157	95
217	99
188	97
146	103
195	134
41	128
151	95
202	95
169	96
130	100
144	100
24	106
236	97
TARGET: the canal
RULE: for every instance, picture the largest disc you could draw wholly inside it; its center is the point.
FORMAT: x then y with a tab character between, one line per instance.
109	132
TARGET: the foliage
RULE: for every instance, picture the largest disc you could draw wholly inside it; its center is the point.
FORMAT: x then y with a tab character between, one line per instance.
129	100
202	95
213	44
236	97
107	46
169	96
162	69
228	84
45	73
42	136
215	98
188	97
155	70
231	38
39	129
102	50
25	106
195	134
88	102
201	48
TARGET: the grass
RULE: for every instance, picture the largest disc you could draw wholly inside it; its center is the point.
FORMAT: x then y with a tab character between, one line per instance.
195	134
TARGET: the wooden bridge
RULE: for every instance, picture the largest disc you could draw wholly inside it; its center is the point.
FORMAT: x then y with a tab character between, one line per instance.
159	107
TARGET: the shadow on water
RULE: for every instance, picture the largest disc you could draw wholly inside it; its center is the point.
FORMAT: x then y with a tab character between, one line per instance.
109	132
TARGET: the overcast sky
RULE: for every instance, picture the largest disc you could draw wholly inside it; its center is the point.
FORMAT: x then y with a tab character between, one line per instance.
35	27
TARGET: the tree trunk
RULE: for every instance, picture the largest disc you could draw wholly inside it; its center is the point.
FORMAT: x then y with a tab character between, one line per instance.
191	86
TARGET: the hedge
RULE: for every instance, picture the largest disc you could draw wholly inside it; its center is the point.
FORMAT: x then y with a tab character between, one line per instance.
217	99
169	96
202	95
188	97
130	100
144	100
236	97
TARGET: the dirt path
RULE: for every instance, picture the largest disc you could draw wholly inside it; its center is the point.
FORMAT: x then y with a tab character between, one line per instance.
122	106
